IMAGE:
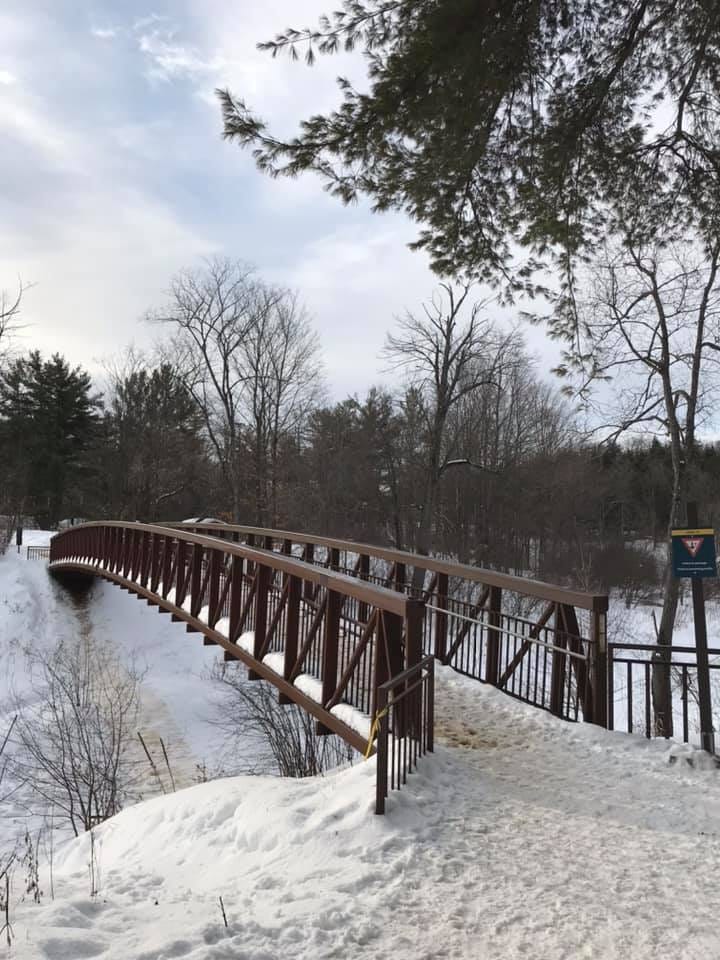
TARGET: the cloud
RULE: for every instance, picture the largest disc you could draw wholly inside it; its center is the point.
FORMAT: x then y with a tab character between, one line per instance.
142	22
102	205
7	79
170	60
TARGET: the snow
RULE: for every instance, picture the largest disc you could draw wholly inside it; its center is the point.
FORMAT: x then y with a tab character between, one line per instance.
276	662
353	718
310	686
521	836
178	696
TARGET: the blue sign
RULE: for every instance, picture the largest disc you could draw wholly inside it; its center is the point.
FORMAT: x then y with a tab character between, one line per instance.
693	553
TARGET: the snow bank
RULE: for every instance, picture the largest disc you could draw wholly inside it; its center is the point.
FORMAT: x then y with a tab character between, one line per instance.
534	838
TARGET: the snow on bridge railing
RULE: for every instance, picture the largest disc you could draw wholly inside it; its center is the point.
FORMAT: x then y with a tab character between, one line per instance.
327	641
539	642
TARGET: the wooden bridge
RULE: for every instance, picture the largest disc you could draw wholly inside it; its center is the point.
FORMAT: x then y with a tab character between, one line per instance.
350	632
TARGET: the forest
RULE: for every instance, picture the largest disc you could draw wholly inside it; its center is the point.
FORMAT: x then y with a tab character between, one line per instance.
228	417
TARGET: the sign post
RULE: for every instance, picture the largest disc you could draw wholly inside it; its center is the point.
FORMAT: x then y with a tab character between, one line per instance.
693	553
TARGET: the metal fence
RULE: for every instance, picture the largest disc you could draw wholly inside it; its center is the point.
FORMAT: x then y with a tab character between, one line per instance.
405	721
631	667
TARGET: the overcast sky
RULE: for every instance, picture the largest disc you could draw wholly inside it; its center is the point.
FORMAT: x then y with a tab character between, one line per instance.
113	176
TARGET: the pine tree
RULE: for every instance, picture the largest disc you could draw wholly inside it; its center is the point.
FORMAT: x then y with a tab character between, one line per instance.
47	422
153	435
538	123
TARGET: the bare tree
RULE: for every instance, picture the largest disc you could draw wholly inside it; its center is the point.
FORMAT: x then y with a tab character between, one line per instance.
282	384
651	323
212	311
72	740
448	357
285	735
10	311
249	358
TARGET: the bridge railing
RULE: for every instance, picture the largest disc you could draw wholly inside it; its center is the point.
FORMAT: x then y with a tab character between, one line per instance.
406	722
541	643
630	679
328	642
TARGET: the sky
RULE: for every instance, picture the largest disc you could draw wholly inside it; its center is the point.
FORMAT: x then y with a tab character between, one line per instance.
114	176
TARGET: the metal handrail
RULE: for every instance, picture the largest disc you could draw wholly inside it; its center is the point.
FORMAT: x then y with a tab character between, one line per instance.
505	581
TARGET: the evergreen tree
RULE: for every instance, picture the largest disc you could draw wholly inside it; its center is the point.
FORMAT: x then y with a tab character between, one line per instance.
48	418
532	122
153	438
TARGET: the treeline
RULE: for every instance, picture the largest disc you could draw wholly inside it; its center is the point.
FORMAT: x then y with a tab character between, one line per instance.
475	456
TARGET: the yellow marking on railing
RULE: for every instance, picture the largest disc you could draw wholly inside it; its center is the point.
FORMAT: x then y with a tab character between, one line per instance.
373	731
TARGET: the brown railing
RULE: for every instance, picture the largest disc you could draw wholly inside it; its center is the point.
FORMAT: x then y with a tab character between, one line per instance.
541	643
630	673
406	721
326	641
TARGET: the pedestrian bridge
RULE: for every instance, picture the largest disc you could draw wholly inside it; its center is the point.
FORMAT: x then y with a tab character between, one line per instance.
350	632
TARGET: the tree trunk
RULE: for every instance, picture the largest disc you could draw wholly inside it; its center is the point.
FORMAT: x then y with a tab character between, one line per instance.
423	543
662	656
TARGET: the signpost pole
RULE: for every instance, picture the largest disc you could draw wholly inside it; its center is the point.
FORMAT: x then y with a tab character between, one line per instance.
707	737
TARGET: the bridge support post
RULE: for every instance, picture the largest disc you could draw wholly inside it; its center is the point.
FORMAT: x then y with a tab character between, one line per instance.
441	617
414	620
215	562
196	580
236	585
309	557
558	668
598	665
494	627
292	632
180	582
331	644
262	587
363	572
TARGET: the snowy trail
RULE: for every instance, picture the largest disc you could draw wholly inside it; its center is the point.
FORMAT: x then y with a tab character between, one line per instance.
534	838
